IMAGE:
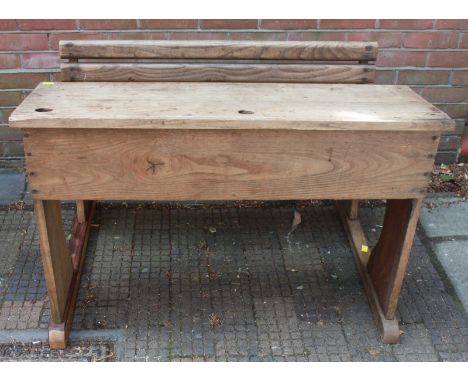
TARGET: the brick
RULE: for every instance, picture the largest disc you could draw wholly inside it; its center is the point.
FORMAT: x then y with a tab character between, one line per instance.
445	94
229	24
22	41
8	25
346	24
454	110
452	24
12	98
5	114
137	36
449	142
169	24
9	61
199	35
51	24
446	157
430	40
316	36
401	58
262	36
460	77
40	60
448	59
463	41
11	149
384	39
385	77
56	37
21	80
405	24
423	77
288	24
108	24
9	134
460	126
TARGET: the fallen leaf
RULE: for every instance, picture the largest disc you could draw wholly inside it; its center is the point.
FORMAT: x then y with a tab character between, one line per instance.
296	221
446	177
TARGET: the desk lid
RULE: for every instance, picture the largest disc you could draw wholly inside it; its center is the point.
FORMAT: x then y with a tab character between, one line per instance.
171	105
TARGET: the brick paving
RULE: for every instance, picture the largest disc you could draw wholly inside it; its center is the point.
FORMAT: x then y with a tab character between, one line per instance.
224	284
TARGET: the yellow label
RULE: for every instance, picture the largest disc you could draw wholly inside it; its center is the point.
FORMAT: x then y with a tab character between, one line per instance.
47	83
364	248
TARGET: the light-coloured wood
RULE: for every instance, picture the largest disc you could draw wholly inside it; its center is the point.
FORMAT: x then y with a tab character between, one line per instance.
194	105
82	207
56	260
215	49
59	332
388	328
389	259
226	165
351	208
218	73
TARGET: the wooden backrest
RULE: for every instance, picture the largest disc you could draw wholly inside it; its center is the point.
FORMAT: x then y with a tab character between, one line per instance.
219	61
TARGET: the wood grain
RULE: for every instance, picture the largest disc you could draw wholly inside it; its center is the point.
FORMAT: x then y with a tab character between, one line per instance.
210	105
59	332
218	73
388	328
215	49
56	260
226	165
389	259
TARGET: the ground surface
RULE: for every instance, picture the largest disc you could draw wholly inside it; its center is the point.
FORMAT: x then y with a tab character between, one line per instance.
227	283
450	178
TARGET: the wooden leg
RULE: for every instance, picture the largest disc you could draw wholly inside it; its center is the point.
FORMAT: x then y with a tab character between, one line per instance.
352	209
82	209
58	268
389	259
382	270
62	264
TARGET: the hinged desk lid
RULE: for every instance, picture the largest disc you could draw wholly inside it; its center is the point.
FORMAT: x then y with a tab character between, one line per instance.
197	105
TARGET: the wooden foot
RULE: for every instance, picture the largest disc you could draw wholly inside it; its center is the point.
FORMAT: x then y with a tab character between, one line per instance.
60	323
389	330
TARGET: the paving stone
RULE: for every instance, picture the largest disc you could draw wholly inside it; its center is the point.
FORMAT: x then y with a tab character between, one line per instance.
180	290
446	217
11	186
453	255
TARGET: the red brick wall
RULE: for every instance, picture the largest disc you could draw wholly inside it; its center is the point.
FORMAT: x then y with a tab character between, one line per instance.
429	55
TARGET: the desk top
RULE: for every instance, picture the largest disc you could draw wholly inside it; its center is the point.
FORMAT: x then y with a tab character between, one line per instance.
205	105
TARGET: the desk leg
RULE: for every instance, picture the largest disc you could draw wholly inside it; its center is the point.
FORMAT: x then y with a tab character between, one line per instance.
382	270
389	259
62	265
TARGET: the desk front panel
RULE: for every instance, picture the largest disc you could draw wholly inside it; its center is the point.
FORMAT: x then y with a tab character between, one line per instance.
133	164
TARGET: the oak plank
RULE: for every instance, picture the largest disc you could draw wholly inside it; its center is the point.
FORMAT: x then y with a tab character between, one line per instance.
56	259
227	165
106	72
216	49
213	105
59	332
82	208
388	328
389	259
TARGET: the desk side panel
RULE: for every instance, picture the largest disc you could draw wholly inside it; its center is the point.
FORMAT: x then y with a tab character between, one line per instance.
227	164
